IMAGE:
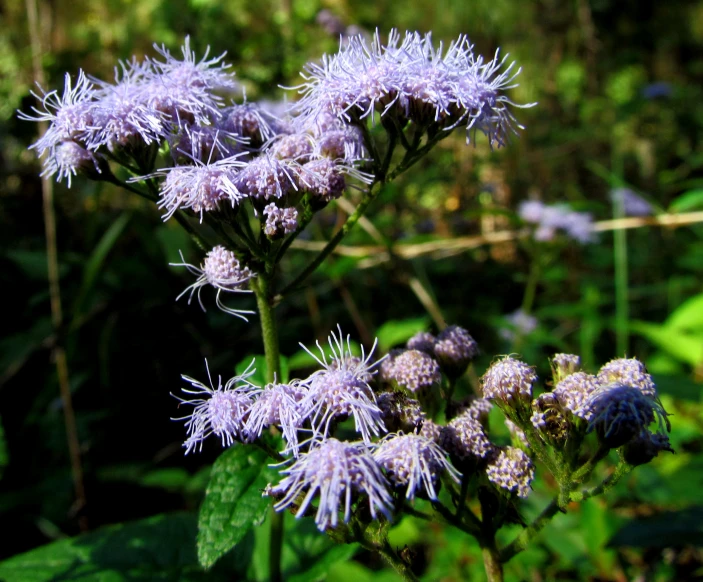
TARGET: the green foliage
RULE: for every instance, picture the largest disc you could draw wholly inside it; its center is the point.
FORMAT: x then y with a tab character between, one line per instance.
158	548
669	528
233	501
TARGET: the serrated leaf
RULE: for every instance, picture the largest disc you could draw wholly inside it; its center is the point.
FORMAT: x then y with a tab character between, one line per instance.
395	332
158	548
233	501
671	528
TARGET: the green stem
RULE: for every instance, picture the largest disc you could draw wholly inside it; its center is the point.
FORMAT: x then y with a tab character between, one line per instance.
395	561
352	219
491	562
261	286
621	282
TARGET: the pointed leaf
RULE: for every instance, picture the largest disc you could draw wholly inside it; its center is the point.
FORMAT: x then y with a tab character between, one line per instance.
233	501
688	315
683	346
687	201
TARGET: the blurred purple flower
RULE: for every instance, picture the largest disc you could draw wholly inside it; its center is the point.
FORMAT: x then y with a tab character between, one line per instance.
632	203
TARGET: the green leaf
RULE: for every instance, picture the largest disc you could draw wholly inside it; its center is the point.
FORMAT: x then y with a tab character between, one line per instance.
681	387
685	347
233	501
688	315
259	377
671	528
307	553
96	261
396	331
158	548
172	478
687	201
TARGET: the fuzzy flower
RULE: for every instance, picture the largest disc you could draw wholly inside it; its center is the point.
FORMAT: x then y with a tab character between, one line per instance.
334	472
619	413
422	341
645	447
628	371
519	324
70	115
221	270
432	431
508	381
415	79
573	391
267	177
454	349
415	370
413	461
563	365
200	188
341	389
296	146
465	438
69	159
549	220
249	121
631	202
278	405
186	89
513	470
280	221
221	411
205	144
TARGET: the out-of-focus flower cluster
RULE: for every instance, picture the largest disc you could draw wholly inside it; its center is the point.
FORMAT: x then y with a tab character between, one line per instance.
401	452
551	220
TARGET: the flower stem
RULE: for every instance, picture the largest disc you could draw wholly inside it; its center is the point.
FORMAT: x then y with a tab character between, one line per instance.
492	563
261	286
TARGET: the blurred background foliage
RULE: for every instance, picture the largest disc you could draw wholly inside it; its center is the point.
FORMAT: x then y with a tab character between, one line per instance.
620	92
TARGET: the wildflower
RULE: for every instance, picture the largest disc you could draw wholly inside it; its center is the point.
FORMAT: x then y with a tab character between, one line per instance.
548	220
280	221
432	431
632	204
221	411
279	405
69	159
645	447
249	121
341	389
423	341
573	391
563	365
628	371
548	417
479	409
221	270
513	470
267	177
413	461
334	471
619	413
520	324
201	187
454	349
465	438
295	146
509	382
416	371
206	143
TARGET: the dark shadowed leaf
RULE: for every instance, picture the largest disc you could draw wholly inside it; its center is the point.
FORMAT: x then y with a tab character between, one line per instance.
671	528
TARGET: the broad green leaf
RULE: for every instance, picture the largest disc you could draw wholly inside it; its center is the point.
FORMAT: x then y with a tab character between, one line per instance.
688	315
683	346
671	528
158	548
396	331
687	201
233	501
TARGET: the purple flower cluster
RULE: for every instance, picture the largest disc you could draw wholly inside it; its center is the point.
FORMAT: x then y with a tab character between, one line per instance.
412	79
550	220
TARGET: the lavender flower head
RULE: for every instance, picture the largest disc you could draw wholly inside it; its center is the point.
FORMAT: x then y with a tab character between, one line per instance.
454	349
221	411
333	471
415	370
573	391
509	382
628	371
631	203
413	461
279	405
415	79
221	270
513	470
341	389
619	413
563	365
423	341
464	438
279	221
519	323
